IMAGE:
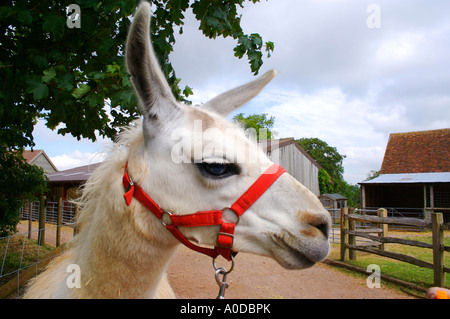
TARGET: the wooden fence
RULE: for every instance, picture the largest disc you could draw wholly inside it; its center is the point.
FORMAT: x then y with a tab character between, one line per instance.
378	236
49	212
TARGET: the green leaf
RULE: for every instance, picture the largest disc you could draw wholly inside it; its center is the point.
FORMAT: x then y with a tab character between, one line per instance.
40	61
212	22
107	43
94	99
80	91
187	91
55	25
7	11
66	82
25	17
112	68
39	89
256	39
269	48
49	75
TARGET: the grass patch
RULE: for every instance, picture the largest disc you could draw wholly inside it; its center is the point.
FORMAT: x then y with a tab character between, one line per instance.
18	252
420	276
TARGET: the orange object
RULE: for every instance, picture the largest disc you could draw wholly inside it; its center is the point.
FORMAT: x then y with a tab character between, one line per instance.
440	294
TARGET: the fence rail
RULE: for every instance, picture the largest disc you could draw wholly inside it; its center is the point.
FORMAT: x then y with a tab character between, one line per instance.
376	243
51	211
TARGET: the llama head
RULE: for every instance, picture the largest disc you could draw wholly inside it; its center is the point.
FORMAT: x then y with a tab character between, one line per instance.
192	159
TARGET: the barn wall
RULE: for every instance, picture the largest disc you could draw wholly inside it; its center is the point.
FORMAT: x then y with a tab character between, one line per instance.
42	162
298	165
394	195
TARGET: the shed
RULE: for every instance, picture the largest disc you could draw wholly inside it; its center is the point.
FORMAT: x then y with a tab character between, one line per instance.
414	178
334	201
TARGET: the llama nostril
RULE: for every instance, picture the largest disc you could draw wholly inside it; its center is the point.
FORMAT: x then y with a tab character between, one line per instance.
316	222
323	229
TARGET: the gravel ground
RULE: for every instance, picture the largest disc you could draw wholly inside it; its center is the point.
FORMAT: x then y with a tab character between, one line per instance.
254	277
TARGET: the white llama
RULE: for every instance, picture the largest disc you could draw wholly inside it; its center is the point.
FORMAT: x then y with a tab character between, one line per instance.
122	251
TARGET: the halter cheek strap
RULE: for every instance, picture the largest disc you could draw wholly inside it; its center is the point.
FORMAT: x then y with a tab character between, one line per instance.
204	218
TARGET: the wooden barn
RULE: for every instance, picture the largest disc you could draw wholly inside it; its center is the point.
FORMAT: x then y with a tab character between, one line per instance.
414	177
295	160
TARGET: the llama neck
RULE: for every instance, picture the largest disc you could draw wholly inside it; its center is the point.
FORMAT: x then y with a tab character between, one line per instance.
124	262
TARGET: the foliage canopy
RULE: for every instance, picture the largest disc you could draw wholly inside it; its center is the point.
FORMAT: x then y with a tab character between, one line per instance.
18	182
261	123
73	77
331	178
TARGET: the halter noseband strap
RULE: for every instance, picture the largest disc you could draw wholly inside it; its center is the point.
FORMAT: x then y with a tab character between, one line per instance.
204	218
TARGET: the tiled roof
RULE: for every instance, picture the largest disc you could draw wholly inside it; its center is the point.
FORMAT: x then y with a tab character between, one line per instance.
417	152
30	155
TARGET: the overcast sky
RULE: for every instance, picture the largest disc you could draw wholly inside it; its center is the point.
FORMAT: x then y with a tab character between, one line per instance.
346	75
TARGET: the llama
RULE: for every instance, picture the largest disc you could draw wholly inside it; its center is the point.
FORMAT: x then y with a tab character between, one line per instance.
122	250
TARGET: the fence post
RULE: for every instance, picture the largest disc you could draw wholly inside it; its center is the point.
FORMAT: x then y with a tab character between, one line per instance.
382	212
344	235
437	220
30	218
41	231
59	222
351	238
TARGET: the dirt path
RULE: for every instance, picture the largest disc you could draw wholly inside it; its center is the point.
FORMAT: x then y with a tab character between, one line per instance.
192	276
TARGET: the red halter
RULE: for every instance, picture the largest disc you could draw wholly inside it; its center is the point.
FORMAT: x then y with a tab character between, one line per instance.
205	218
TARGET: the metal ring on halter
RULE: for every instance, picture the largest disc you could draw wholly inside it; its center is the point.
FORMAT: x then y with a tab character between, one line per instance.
223	269
166	213
229	208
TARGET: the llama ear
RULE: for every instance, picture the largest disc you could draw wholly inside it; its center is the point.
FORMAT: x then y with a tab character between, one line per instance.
155	95
229	101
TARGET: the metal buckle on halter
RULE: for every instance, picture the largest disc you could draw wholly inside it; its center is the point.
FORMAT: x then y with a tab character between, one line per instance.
131	181
168	214
221	233
222	246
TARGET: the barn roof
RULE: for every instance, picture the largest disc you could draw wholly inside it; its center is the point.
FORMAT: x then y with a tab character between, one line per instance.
417	152
271	145
411	178
31	155
73	175
335	196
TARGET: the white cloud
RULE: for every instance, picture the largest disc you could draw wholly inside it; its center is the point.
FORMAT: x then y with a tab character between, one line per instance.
66	151
75	159
341	121
400	48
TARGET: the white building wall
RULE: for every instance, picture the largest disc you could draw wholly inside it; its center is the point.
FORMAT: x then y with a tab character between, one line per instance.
297	165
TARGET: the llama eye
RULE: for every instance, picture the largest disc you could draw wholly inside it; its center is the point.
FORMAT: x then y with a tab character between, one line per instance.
215	169
218	170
